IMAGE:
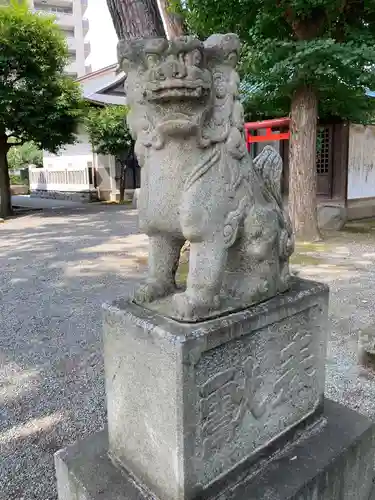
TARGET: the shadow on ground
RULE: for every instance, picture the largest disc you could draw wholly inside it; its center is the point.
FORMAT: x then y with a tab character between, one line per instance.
57	268
346	262
56	271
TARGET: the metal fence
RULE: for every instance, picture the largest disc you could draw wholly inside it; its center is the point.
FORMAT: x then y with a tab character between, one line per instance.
60	179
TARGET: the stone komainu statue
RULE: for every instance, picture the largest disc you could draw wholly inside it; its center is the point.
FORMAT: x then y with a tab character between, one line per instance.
198	181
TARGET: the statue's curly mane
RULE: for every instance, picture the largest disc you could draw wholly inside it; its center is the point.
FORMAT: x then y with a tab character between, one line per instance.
199	182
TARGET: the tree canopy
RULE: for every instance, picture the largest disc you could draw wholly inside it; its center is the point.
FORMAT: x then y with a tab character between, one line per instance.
328	45
108	130
37	101
109	135
308	59
27	154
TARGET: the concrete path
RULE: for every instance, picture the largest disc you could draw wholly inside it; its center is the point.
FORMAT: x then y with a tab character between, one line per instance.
57	268
26	201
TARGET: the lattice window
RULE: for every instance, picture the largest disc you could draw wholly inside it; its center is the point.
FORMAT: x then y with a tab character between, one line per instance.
323	151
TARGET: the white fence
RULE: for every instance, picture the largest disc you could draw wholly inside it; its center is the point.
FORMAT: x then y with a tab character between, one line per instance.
73	179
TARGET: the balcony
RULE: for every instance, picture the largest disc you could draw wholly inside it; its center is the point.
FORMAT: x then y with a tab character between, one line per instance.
84	5
85	26
72	43
54	6
54	3
65	20
87	49
71	68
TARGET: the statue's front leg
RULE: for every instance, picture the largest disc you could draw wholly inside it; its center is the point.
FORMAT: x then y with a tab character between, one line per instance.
163	258
206	268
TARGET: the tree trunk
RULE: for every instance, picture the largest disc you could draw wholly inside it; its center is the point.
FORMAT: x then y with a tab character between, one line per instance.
5	196
172	22
136	18
122	181
302	165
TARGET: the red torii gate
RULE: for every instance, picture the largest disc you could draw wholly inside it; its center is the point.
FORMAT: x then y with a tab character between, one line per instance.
269	126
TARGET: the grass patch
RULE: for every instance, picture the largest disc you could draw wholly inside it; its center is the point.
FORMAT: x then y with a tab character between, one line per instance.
182	273
306	246
360	227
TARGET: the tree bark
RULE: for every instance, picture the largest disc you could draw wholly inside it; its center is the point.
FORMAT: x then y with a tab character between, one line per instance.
122	180
302	165
5	196
136	18
172	22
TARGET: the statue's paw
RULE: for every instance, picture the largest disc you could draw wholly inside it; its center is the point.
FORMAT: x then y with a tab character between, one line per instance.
192	308
153	291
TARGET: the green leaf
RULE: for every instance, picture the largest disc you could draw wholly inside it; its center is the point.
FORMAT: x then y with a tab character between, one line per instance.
22	156
37	102
108	130
328	45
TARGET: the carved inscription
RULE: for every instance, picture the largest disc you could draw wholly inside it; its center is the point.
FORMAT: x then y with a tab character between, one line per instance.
224	402
218	408
251	382
298	368
229	396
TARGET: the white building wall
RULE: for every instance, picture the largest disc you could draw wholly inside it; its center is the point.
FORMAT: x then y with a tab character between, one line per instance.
71	17
81	25
72	155
361	162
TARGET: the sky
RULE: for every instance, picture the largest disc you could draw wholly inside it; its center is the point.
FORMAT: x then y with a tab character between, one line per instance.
101	35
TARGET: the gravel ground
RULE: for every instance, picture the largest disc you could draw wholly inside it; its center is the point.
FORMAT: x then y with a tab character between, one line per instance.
56	269
55	272
346	262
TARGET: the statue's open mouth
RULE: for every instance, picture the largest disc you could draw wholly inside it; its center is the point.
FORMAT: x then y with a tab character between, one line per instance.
177	89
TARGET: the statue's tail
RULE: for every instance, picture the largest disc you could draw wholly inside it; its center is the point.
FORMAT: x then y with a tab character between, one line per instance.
269	166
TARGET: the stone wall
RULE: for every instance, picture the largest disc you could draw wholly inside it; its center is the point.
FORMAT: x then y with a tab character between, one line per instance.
83	196
19	189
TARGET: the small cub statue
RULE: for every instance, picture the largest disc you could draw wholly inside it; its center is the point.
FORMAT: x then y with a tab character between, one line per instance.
198	181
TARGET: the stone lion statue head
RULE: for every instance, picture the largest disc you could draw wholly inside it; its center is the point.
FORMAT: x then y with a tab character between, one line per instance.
173	86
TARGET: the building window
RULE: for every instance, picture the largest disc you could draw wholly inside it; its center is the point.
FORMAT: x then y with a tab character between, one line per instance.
323	151
54	9
68	32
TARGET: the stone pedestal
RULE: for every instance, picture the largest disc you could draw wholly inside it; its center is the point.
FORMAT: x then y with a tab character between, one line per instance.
195	409
187	403
332	460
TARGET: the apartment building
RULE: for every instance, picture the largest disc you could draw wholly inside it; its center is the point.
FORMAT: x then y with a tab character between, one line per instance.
70	17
